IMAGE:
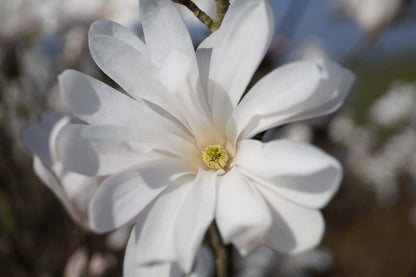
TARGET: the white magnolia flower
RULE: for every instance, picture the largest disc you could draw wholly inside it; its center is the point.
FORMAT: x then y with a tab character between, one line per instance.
72	189
370	15
178	147
396	106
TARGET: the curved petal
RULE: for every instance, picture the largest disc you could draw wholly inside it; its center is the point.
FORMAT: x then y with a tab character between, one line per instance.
239	47
203	56
299	172
96	103
123	196
53	183
112	29
96	150
177	222
294	228
194	217
296	91
133	71
54	136
132	268
166	34
241	215
172	51
36	136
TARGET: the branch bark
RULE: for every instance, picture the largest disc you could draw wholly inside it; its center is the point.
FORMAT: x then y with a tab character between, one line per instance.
200	14
221	8
221	253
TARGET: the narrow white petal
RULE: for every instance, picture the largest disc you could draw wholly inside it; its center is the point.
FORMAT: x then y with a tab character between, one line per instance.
299	172
171	50
132	268
133	71
295	228
203	55
36	137
177	222
53	183
164	31
97	103
117	31
204	264
194	218
241	215
296	91
95	150
53	136
239	47
123	196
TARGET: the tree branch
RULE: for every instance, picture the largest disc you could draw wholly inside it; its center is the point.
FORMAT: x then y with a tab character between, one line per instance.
200	14
221	255
221	7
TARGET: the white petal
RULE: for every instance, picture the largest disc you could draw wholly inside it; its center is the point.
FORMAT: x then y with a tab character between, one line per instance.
294	229
123	196
53	183
78	189
204	264
300	172
296	91
194	217
53	137
165	32
241	215
97	103
132	268
115	30
177	222
95	150
132	70
36	137
240	45
171	49
203	55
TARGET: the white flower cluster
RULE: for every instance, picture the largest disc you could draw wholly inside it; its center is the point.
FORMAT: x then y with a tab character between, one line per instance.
382	166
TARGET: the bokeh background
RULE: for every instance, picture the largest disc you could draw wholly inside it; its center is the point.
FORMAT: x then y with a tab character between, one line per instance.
371	223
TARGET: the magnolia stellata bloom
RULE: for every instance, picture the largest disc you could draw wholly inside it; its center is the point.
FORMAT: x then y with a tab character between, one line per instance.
72	189
371	15
177	148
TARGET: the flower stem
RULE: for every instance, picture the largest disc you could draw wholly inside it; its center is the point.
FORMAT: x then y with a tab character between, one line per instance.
200	14
221	7
220	250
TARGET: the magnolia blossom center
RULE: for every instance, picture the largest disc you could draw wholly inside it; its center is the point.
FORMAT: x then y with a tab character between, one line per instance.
215	156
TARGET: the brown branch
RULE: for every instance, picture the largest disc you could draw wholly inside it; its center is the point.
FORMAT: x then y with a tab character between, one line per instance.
221	7
221	254
200	14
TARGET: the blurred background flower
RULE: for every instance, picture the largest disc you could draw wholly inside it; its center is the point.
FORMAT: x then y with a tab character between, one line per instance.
371	224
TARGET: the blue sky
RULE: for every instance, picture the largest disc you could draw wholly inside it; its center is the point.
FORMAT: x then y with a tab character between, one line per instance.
341	35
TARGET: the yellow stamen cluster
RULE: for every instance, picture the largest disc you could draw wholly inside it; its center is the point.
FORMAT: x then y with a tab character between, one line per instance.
215	156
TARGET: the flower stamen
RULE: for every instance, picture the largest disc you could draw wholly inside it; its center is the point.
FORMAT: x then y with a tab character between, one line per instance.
215	156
